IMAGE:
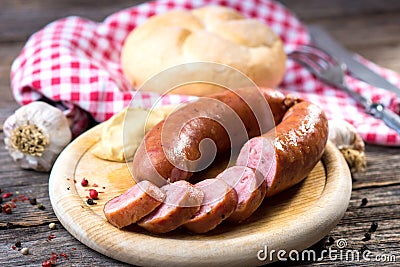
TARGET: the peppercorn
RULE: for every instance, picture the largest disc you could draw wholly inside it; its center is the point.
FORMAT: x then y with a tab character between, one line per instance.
330	241
63	255
32	200
6	209
90	201
364	202
47	263
18	244
41	206
373	227
84	182
51	237
367	236
93	193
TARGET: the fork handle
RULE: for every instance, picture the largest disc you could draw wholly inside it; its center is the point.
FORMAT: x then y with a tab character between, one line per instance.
390	118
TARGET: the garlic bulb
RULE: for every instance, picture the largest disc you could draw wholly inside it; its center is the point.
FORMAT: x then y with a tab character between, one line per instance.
35	134
345	137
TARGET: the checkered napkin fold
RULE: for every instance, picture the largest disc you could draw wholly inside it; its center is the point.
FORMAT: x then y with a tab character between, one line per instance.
74	63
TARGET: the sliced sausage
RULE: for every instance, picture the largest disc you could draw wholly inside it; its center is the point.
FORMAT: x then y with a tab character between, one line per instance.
219	202
182	201
133	204
250	187
172	149
287	154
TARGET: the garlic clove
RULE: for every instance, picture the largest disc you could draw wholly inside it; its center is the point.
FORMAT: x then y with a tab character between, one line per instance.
35	134
345	137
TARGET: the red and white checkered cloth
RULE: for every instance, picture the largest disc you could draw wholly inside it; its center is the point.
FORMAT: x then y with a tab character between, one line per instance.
75	62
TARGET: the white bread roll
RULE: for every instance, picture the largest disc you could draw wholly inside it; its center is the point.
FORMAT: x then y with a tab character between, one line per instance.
210	34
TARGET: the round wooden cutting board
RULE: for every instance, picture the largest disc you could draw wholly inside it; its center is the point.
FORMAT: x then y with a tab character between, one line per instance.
292	220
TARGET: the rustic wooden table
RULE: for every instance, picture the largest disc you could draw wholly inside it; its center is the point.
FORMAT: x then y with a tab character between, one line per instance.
368	27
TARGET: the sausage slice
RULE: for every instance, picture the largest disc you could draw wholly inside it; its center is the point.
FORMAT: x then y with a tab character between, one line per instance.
219	202
134	204
182	201
250	187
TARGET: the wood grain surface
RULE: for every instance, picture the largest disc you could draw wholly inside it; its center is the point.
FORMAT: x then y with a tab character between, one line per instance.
368	27
295	219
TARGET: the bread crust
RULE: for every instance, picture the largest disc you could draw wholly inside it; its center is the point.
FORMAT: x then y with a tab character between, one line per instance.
210	34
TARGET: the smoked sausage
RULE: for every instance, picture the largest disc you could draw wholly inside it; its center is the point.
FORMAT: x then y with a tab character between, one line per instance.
288	153
177	156
266	165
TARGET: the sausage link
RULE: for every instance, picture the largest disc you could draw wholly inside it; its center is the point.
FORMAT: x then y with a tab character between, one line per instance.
267	164
190	125
288	153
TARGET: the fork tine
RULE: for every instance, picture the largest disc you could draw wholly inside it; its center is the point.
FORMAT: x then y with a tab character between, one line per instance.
318	52
328	57
305	61
315	54
319	63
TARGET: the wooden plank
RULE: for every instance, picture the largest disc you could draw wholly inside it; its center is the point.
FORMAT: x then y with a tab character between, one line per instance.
356	222
8	52
381	55
315	9
32	16
351	228
352	24
353	31
24	183
378	160
40	248
19	19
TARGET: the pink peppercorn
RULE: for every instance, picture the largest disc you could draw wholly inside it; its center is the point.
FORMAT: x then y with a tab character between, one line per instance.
47	263
93	193
7	209
84	182
7	195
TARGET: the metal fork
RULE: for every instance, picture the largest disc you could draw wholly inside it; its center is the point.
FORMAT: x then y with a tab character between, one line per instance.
331	71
